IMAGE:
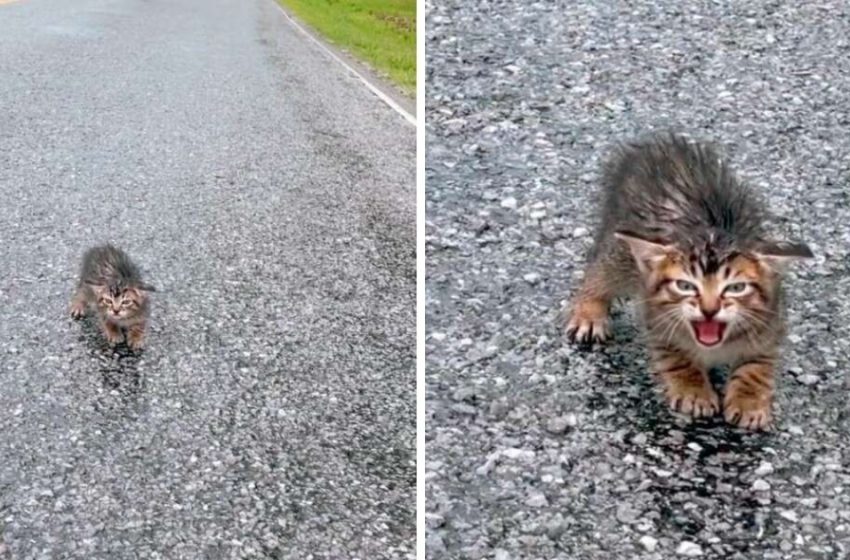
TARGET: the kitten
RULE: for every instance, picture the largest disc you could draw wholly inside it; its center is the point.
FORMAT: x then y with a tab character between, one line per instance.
112	287
680	232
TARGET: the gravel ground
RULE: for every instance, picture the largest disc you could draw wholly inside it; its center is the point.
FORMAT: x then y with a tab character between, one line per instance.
537	450
270	198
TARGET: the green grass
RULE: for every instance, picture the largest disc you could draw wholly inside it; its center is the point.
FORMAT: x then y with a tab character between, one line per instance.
381	33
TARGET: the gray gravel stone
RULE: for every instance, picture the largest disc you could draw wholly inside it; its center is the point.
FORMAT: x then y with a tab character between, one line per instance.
532	278
689	549
502	554
808	379
789	515
765	468
561	424
761	485
537	500
648	543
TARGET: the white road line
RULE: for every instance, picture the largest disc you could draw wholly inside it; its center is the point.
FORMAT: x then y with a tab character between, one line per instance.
381	95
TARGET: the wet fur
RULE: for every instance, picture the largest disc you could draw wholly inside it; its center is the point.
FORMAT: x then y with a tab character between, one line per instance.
111	288
672	209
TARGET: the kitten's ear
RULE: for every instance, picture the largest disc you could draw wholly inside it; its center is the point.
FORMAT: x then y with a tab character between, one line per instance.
647	252
779	254
146	287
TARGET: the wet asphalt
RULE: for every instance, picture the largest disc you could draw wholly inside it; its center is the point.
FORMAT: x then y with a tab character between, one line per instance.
537	450
271	200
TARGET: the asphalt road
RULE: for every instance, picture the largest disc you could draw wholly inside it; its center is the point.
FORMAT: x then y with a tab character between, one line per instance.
271	199
536	450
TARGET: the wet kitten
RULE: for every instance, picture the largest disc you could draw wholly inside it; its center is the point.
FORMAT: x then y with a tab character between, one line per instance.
111	286
682	234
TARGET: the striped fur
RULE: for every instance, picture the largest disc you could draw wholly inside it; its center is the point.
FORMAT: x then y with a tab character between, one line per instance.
681	233
111	286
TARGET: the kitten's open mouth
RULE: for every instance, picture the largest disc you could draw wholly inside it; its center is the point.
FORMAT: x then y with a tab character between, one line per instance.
708	333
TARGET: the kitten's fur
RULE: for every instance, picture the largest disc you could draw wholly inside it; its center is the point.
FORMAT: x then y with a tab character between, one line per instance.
679	231
111	286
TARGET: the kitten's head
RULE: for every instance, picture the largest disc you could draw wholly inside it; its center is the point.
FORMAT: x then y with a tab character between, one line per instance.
712	292
121	301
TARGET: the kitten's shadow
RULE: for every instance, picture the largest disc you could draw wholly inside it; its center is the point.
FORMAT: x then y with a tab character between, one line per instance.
708	453
621	364
117	365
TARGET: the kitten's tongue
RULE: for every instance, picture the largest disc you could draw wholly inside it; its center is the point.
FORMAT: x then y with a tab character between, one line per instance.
708	332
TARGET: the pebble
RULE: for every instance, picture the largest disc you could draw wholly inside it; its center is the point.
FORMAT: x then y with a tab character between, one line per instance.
488	465
501	554
808	379
509	203
764	469
434	543
761	485
532	278
556	526
521	454
537	500
648	543
560	424
688	548
580	232
788	514
627	514
464	394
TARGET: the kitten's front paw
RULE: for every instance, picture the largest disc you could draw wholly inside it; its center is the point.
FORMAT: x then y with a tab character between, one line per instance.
112	333
78	310
692	395
113	338
747	411
588	323
136	339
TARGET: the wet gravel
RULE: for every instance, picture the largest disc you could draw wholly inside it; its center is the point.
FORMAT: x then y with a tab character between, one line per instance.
538	450
269	197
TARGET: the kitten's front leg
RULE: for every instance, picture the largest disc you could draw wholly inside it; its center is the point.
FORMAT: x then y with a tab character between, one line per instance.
687	388
79	306
588	314
111	331
749	395
136	336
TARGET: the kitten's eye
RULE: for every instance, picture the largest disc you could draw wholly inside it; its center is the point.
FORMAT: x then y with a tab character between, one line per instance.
686	287
736	288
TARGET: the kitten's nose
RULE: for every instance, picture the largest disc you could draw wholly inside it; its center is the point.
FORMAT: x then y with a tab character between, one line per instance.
709	312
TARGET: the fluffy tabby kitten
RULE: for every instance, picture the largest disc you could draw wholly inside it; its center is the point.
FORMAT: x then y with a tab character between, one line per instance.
112	287
680	232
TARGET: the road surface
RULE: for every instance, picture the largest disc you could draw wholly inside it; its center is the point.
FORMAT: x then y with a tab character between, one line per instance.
536	450
270	197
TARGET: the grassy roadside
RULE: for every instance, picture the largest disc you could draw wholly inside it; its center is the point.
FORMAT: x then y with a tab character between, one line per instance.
381	33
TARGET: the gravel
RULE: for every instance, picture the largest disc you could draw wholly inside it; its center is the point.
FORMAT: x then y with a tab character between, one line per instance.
269	196
523	99
689	549
648	543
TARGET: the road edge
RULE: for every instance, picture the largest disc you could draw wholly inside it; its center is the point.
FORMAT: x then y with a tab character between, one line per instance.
385	91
